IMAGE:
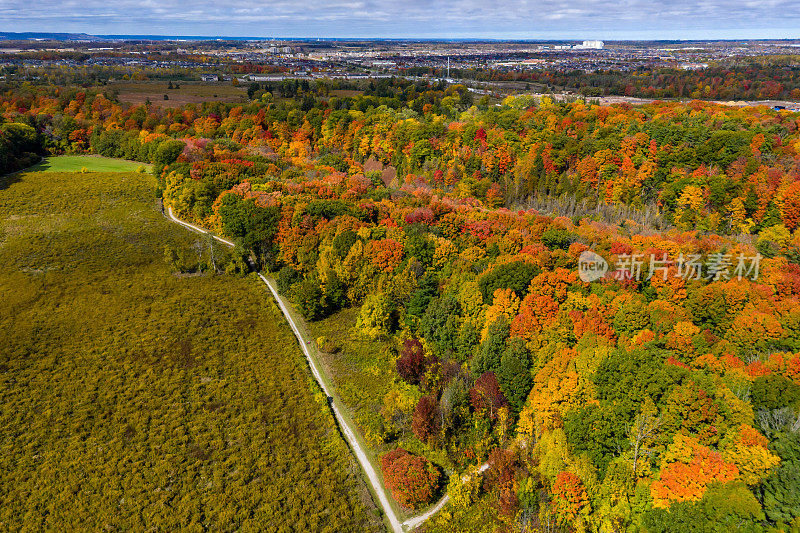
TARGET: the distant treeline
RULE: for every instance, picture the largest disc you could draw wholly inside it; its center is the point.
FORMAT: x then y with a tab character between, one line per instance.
746	82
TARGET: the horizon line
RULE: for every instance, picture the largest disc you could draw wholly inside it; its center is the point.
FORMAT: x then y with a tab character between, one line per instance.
166	36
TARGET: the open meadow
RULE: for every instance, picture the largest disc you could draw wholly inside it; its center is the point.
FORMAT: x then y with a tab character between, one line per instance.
133	398
92	163
185	93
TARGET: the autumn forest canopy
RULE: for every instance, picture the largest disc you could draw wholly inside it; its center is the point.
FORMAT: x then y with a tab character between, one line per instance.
431	239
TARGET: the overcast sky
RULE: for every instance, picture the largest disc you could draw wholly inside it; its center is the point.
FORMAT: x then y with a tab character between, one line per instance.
514	19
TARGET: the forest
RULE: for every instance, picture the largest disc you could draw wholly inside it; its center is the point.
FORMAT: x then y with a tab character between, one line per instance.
433	243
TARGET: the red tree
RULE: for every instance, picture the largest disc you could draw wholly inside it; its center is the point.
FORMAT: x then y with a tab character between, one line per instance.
411	363
412	479
486	395
425	422
569	497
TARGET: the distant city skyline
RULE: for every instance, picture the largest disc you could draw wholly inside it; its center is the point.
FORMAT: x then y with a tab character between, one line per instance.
458	19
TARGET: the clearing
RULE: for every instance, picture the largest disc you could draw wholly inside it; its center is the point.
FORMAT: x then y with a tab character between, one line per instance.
92	163
186	93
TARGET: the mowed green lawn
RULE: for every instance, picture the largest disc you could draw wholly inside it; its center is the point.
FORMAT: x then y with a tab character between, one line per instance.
92	163
134	399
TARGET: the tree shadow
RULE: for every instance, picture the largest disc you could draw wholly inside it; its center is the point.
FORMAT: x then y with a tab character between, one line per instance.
12	177
42	166
7	180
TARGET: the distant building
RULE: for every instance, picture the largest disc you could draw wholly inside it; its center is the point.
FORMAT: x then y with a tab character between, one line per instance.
590	45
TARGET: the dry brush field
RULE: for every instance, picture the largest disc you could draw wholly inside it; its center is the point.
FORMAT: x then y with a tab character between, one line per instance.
133	398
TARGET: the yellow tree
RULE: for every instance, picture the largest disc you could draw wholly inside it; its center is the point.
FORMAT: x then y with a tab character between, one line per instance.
747	449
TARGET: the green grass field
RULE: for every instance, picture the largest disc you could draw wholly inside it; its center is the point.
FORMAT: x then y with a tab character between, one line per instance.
132	398
92	163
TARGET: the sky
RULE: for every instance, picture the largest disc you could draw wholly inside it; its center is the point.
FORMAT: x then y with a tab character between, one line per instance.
455	19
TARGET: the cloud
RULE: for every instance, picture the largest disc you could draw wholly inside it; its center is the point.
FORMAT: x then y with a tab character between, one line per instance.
414	18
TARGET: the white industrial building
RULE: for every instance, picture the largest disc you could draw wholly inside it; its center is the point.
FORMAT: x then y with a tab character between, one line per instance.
590	45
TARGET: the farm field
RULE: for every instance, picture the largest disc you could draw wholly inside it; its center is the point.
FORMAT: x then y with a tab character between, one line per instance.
134	398
92	163
186	93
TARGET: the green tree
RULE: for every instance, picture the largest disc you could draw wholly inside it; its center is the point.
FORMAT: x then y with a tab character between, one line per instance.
555	237
310	298
724	508
599	432
288	276
343	242
627	378
20	138
516	276
492	347
253	226
335	291
168	151
774	392
440	324
514	374
780	492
